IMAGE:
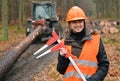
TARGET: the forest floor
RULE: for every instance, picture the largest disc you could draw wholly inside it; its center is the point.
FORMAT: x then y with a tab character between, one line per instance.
49	73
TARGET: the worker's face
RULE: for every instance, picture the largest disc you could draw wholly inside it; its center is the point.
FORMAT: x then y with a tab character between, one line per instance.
76	26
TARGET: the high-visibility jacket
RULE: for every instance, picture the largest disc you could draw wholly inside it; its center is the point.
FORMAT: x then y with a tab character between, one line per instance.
87	61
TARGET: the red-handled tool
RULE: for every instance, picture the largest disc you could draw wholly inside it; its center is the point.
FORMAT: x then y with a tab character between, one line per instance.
49	42
57	47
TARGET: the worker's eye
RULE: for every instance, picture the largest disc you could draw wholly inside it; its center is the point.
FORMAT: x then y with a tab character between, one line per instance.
77	21
80	21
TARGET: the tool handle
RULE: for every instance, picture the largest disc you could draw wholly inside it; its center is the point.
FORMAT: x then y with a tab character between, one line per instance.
42	48
57	47
54	34
50	41
77	69
54	38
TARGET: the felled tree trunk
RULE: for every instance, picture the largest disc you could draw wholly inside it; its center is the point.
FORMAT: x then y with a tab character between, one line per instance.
10	57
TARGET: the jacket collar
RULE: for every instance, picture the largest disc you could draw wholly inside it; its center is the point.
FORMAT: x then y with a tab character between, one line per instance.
69	40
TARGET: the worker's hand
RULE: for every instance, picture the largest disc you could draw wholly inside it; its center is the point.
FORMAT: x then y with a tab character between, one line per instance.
63	51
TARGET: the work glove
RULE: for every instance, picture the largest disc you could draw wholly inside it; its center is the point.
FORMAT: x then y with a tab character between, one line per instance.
63	51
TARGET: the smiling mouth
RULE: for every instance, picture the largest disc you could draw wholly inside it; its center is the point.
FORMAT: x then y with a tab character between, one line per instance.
77	28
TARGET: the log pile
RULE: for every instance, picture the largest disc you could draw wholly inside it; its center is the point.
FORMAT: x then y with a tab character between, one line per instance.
104	26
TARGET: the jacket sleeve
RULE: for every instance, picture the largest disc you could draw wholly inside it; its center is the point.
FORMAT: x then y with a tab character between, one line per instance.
62	64
103	65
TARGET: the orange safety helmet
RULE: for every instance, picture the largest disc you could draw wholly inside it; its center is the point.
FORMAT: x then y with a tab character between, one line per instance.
75	13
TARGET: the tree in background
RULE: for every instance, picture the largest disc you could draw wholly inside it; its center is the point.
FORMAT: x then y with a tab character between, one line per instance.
107	8
0	10
116	4
21	13
63	6
99	8
12	11
5	19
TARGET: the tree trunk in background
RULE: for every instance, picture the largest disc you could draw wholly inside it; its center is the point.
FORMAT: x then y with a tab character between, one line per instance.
0	10
116	7
4	19
107	8
60	8
28	8
16	9
11	12
102	8
21	13
53	1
